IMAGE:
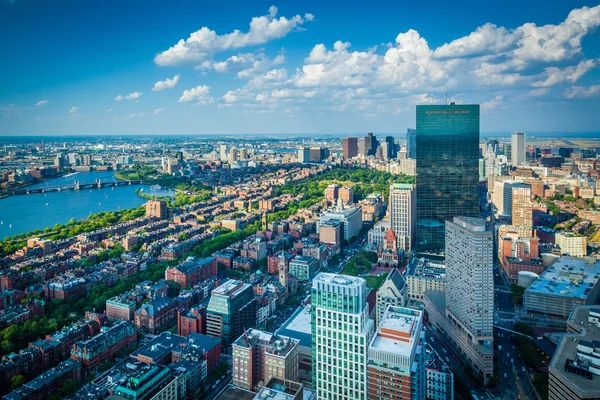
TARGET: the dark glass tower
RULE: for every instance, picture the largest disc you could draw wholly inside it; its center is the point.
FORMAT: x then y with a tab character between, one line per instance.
447	147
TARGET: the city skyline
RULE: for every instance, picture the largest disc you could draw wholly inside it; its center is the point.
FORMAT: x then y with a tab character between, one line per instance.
302	68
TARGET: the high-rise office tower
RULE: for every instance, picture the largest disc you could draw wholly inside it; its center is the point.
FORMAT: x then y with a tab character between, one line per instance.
517	150
396	366
522	207
402	204
350	147
304	154
391	147
371	144
243	154
231	309
341	332
470	289
362	146
411	143
502	198
447	169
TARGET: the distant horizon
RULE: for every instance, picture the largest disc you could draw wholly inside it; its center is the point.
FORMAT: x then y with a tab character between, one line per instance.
536	134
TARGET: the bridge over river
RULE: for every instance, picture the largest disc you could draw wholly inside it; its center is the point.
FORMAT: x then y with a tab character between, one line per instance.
76	185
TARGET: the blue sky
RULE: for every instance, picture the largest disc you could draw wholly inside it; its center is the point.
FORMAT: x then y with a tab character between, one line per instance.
226	67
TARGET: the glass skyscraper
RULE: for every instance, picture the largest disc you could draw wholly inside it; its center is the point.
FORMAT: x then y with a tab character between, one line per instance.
447	147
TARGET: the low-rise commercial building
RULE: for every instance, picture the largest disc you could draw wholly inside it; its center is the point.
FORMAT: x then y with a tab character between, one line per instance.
303	267
569	282
423	275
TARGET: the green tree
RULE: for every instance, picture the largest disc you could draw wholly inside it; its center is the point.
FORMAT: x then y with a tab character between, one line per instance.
17	381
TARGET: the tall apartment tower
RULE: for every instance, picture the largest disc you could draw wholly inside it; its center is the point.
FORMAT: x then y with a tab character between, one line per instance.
223	152
233	155
350	147
470	289
447	170
156	209
402	205
522	207
517	149
396	366
341	332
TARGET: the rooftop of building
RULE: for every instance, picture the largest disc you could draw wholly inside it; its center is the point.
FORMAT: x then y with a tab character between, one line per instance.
298	326
422	267
569	277
230	288
566	363
338	279
402	322
275	344
158	348
235	393
472	224
204	342
303	259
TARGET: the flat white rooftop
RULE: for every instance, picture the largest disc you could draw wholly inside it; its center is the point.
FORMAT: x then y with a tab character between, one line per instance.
568	277
338	279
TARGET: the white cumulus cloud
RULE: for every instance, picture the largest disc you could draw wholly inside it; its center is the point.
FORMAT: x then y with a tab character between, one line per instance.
41	103
581	92
200	94
130	96
166	84
204	43
158	111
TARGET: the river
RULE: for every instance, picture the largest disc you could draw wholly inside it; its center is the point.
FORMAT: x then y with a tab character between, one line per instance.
25	213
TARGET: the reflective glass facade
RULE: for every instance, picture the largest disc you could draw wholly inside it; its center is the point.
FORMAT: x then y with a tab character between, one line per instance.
447	146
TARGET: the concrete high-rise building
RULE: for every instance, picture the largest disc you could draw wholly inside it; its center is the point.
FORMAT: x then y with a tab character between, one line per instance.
396	366
362	147
402	205
465	312
303	154
233	155
231	309
347	195
156	209
318	154
350	147
257	356
243	154
517	149
502	198
522	208
341	332
223	152
392	292
447	170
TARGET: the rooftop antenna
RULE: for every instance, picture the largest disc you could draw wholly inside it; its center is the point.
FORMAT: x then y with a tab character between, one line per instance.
446	98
